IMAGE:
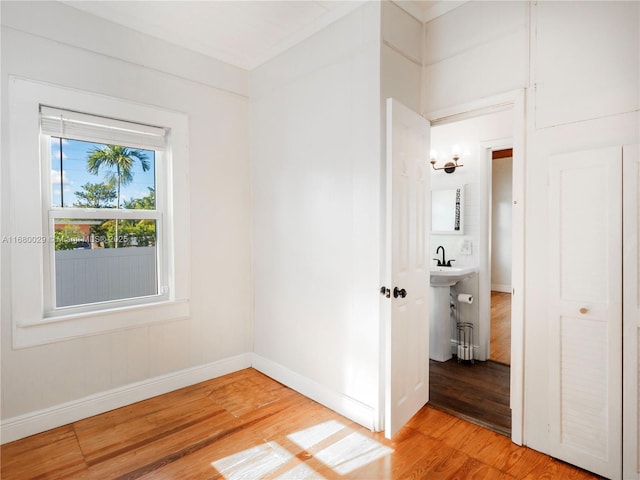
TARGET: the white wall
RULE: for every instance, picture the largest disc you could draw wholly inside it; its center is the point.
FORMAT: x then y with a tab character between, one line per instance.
315	154
501	202
476	50
401	57
582	92
53	43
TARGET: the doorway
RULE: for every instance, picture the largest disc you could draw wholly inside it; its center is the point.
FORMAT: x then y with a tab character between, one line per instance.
480	393
501	247
488	392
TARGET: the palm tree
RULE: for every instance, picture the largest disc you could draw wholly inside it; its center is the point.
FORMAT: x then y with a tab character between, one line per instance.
122	160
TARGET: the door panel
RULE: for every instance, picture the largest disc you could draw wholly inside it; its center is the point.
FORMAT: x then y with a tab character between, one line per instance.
586	310
407	322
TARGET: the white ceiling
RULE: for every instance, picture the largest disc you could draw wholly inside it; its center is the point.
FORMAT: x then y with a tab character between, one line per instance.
243	33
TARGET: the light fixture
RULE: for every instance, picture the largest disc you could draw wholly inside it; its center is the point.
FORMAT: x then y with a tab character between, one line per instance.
449	167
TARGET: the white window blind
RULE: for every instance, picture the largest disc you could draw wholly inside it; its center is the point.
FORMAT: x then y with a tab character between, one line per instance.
92	128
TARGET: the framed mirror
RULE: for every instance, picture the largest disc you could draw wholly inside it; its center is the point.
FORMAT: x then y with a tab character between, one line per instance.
447	211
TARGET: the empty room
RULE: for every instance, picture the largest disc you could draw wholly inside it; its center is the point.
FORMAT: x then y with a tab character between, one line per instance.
265	239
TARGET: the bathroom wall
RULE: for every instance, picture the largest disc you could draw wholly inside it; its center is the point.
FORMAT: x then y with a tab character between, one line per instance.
501	204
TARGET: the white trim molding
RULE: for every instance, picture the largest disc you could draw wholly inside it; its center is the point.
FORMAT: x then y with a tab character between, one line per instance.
41	420
28	218
336	401
496	287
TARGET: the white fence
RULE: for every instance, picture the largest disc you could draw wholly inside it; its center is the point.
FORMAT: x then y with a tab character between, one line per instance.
89	276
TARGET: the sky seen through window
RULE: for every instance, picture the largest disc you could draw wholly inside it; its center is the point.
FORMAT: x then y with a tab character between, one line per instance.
69	176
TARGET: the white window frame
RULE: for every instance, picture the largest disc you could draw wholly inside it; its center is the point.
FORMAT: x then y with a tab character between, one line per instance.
81	126
33	321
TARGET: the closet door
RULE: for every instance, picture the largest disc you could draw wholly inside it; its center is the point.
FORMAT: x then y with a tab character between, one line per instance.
586	310
631	314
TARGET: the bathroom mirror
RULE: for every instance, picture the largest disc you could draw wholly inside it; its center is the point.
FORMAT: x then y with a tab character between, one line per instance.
447	211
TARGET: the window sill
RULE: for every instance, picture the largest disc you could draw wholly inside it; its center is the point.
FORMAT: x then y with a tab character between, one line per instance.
55	329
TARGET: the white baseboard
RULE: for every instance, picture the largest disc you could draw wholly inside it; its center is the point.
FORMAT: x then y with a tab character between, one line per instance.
39	421
496	287
338	402
42	420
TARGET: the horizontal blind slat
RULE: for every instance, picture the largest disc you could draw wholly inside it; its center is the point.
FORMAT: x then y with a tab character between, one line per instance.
79	126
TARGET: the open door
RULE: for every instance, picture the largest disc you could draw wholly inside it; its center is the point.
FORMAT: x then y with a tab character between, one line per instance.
406	286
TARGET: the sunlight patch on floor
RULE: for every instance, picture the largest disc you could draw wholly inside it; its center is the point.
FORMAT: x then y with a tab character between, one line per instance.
252	463
343	455
352	452
301	471
335	445
312	436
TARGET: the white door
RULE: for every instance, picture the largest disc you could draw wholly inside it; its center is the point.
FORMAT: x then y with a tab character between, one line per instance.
407	268
631	313
585	340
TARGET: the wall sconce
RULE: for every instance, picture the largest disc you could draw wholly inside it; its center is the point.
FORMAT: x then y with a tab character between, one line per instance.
449	167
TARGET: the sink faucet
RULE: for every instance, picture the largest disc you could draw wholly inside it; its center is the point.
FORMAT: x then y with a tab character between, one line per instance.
443	262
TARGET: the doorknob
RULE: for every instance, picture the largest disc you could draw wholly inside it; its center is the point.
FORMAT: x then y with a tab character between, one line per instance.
385	291
399	292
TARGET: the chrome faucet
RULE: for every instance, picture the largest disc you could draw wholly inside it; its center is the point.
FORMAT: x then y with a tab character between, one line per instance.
443	262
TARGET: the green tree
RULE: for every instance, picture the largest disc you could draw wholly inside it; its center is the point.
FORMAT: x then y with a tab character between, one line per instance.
67	238
119	161
131	233
143	231
95	195
147	202
140	233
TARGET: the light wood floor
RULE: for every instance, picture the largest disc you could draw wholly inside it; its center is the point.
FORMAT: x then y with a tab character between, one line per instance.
500	327
247	426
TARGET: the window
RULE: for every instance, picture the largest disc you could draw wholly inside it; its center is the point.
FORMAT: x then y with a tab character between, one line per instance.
104	212
106	246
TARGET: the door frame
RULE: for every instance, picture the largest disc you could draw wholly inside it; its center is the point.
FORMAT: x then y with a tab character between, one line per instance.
514	100
486	225
630	302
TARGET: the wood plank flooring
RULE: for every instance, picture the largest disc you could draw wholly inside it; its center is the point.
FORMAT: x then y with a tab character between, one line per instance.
500	350
247	426
477	392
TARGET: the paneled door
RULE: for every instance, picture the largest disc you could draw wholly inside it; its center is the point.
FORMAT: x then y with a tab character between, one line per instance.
406	283
631	312
585	323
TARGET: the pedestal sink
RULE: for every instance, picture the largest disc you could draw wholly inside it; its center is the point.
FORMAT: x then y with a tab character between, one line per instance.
449	276
441	279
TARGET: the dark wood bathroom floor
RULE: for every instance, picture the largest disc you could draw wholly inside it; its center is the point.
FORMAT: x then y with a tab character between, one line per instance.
477	392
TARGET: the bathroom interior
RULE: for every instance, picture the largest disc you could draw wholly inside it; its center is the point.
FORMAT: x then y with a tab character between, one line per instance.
471	186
